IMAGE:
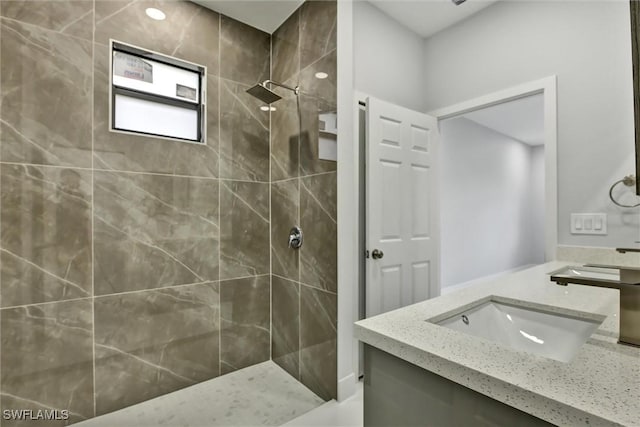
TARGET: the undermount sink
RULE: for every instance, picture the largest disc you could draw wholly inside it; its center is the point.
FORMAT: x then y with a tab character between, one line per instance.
553	335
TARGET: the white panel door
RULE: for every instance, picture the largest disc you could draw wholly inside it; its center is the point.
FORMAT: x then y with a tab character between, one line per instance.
401	209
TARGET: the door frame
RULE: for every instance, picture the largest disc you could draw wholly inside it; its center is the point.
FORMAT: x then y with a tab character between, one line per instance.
548	87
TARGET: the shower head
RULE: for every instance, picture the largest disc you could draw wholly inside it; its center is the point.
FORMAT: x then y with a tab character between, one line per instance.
263	94
458	2
266	95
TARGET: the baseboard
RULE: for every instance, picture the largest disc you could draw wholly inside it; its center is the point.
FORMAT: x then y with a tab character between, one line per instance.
346	387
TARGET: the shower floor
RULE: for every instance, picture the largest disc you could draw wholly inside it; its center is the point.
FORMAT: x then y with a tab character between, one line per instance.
260	395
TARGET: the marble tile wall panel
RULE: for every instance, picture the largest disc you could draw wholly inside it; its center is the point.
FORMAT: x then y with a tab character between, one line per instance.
318	255
285	49
244	317
153	231
245	52
324	89
285	135
244	229
286	324
45	97
71	17
120	151
47	360
45	224
189	32
244	134
285	214
154	342
318	341
318	20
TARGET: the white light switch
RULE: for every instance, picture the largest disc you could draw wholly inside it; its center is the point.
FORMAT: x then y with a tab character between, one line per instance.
589	223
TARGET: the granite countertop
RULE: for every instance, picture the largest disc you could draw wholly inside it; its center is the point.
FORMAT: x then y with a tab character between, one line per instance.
600	386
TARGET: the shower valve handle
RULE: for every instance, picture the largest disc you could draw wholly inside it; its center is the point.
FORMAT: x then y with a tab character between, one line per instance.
295	238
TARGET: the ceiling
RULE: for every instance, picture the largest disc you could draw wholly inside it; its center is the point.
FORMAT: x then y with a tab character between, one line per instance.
424	17
266	15
427	17
521	119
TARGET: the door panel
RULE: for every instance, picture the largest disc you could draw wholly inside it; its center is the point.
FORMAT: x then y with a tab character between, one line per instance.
401	207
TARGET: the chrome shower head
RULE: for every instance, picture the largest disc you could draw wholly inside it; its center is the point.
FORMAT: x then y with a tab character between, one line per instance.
265	95
268	96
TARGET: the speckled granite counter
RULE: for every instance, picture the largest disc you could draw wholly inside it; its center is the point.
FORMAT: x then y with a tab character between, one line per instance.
600	386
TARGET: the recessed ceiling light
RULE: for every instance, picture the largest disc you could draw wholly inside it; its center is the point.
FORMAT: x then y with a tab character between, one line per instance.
156	14
321	75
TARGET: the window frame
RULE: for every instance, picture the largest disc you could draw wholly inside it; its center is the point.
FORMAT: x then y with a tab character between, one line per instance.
200	107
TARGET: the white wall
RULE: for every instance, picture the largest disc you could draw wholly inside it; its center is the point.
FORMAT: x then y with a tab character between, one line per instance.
487	223
388	58
587	45
537	200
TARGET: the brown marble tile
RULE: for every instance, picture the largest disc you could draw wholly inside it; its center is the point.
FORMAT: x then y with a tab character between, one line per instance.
47	360
285	135
310	163
244	135
244	52
244	316
324	89
45	223
73	18
318	341
153	231
318	254
45	88
285	214
285	50
154	342
286	324
189	32
147	154
244	229
317	30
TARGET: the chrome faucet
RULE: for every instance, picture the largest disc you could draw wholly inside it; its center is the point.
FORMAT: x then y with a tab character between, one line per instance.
629	287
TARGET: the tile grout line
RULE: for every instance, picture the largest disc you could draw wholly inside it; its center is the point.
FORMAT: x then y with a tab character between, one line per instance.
0	227
299	204
163	288
219	199
93	256
306	285
270	212
304	176
118	171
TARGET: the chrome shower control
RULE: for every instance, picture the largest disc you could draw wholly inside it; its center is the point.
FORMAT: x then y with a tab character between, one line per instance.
295	238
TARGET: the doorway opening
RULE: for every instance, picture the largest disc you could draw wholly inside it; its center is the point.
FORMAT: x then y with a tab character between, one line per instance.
492	192
498	191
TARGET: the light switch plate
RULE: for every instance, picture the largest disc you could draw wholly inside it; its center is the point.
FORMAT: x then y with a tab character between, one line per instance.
589	223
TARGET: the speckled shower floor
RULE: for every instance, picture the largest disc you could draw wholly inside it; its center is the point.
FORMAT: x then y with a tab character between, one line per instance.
260	395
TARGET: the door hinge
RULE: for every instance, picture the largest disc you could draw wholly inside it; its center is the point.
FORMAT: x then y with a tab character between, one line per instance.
366	254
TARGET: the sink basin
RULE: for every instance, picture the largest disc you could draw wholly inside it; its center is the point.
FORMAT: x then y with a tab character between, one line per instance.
552	335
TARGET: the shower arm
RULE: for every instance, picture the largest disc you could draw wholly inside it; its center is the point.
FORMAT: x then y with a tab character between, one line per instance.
295	90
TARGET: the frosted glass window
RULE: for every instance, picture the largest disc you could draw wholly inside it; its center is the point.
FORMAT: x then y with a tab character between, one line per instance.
150	117
156	95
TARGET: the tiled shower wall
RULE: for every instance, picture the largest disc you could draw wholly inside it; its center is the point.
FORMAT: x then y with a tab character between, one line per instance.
131	266
303	191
